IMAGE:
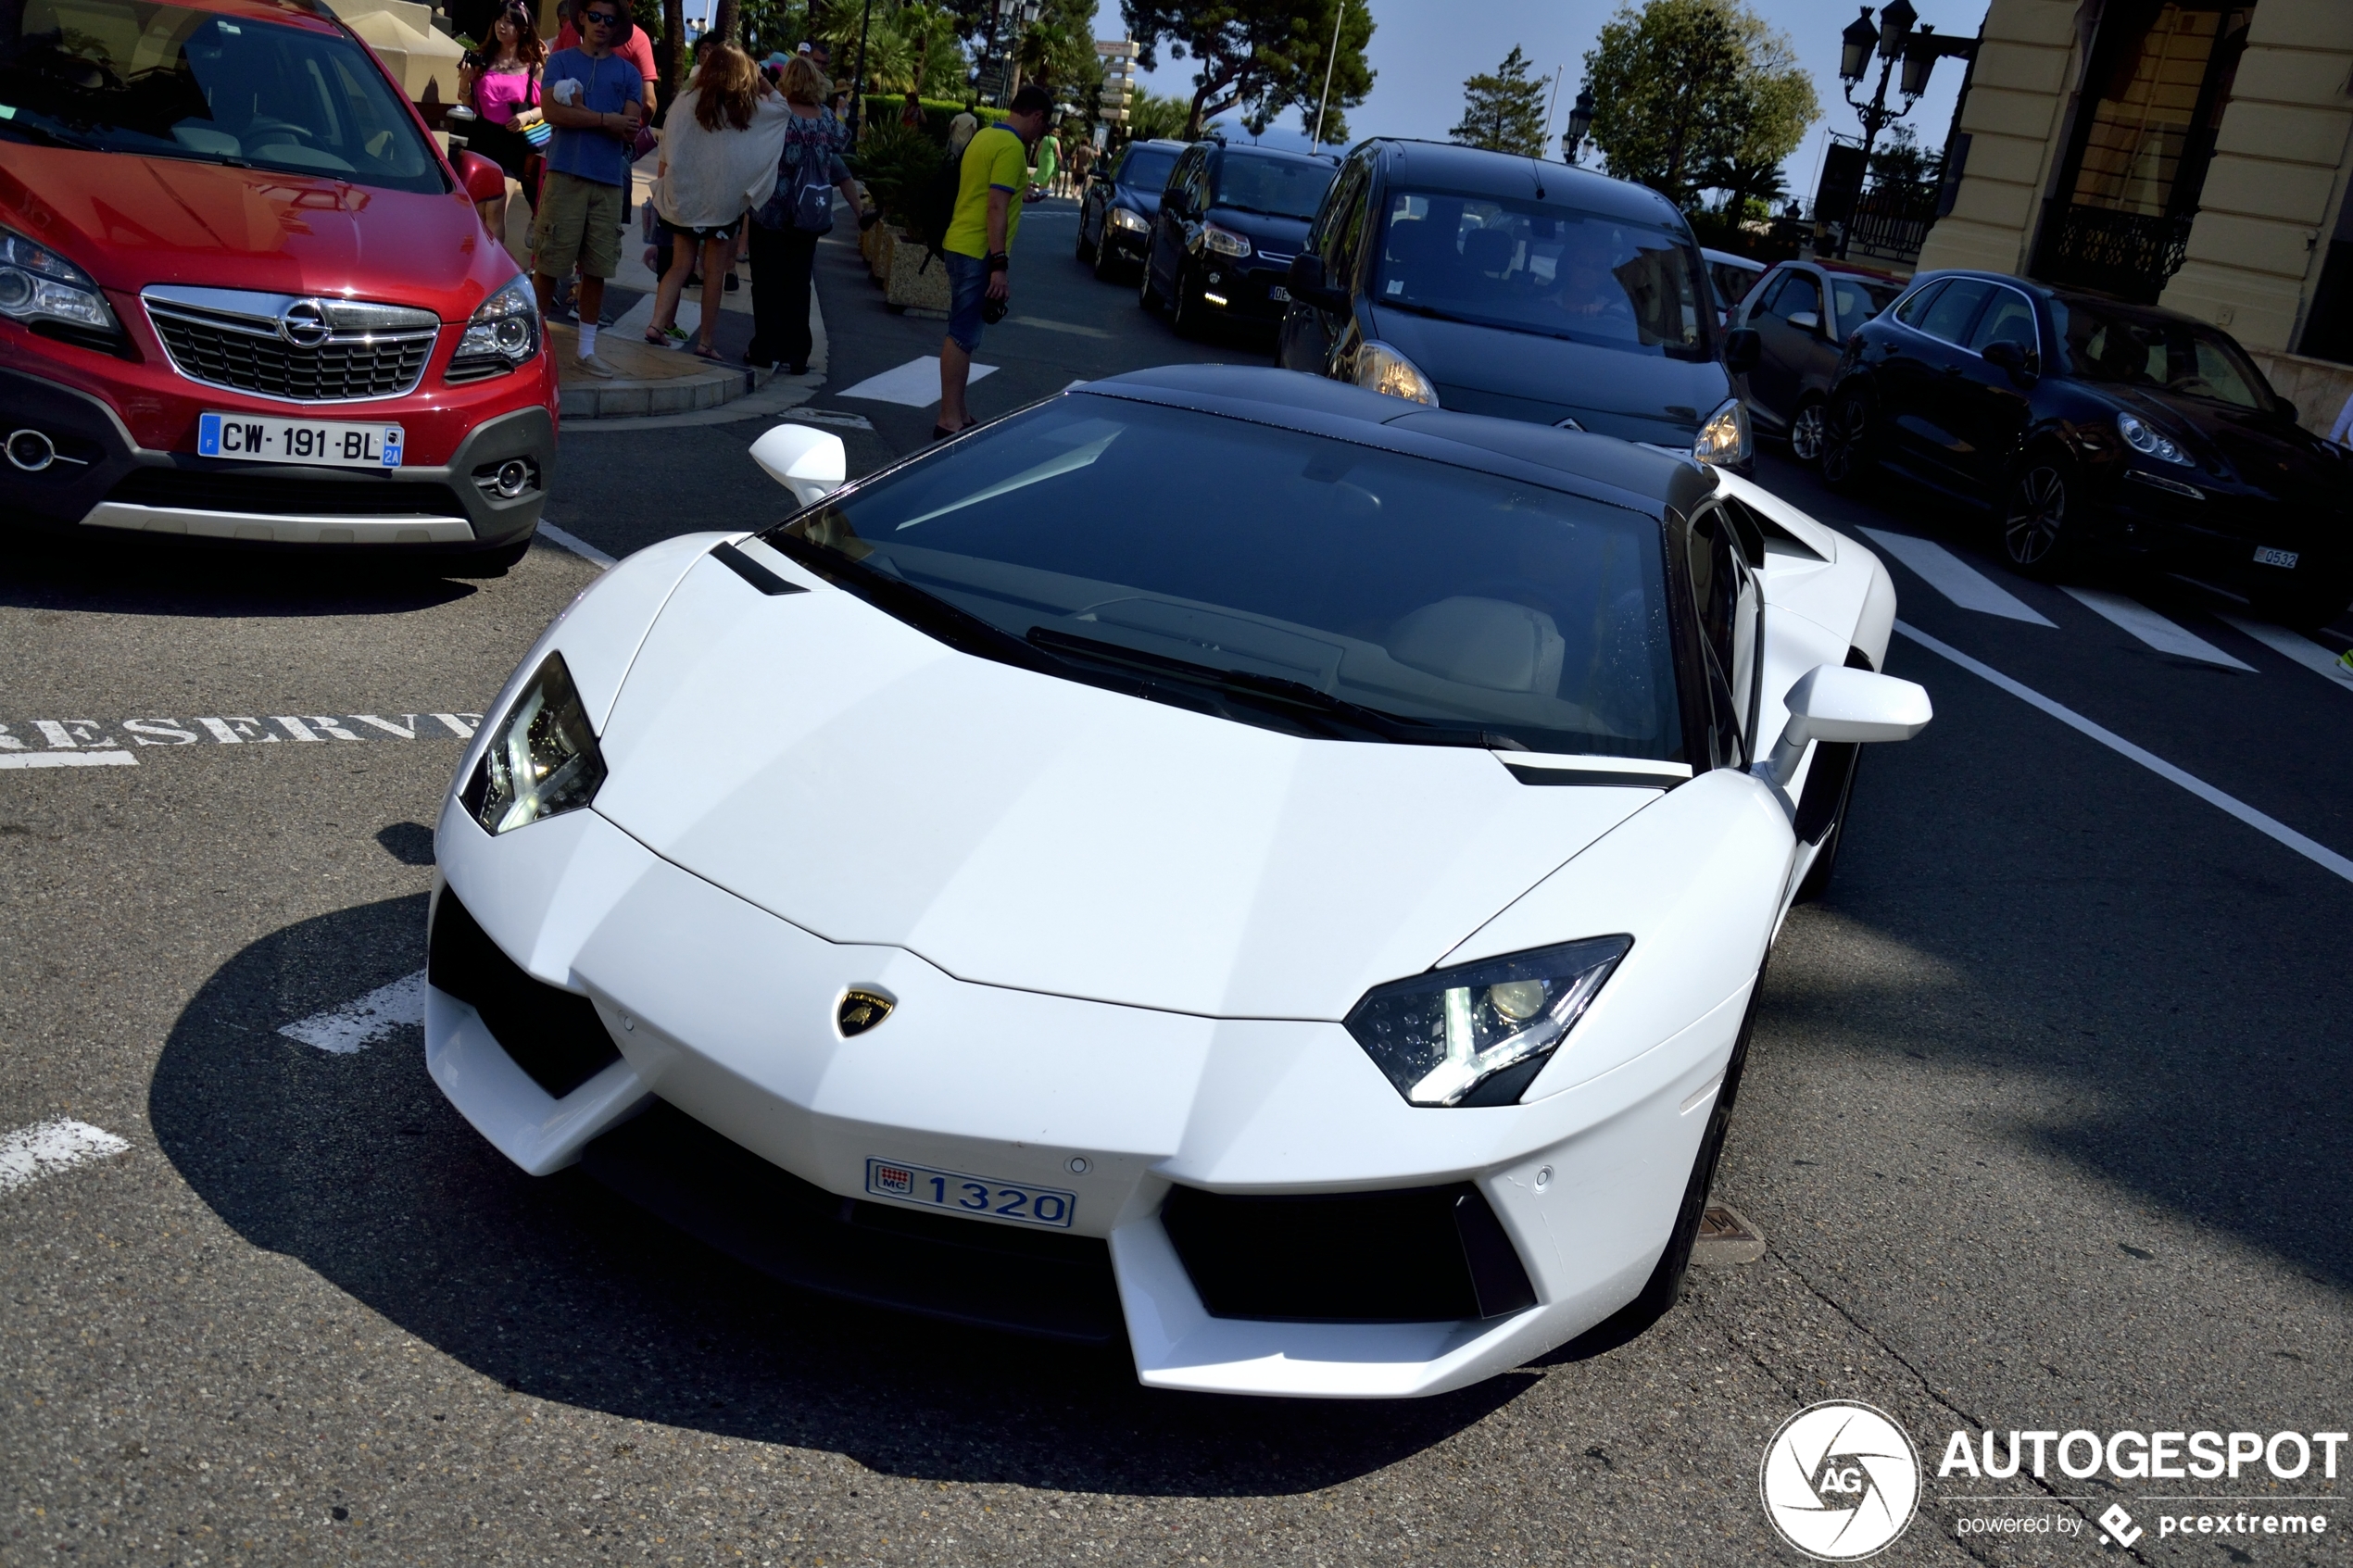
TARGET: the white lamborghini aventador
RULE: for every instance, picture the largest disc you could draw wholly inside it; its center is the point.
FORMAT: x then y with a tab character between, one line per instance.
1219	857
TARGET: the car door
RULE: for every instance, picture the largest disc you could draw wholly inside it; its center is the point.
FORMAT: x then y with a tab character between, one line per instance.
1991	409
1788	329
1311	328
1730	607
1919	381
1168	229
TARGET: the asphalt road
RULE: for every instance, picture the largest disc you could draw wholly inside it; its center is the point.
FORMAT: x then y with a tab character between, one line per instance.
2045	1121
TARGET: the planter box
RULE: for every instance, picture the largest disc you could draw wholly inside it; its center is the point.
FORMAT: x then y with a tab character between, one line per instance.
878	253
913	284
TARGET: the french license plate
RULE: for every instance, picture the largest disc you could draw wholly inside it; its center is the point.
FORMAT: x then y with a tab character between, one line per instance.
2266	556
1278	294
970	1195
258	439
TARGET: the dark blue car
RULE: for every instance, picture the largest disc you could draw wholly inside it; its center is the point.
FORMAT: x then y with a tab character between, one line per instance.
1115	212
1230	223
1495	285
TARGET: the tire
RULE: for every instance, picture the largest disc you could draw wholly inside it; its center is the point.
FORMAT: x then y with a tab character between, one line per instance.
1666	1284
1085	251
2039	522
1188	312
1147	296
1846	443
1807	430
1106	261
1817	875
2306	607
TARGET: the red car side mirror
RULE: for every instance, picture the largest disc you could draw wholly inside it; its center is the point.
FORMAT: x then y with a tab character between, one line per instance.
483	180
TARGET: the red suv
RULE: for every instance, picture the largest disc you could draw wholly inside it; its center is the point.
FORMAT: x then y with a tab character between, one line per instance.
243	296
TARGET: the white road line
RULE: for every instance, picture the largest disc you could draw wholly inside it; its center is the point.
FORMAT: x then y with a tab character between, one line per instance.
2152	628
915	384
363	1021
1954	578
580	548
2303	650
1071	327
67	760
2319	854
46	1147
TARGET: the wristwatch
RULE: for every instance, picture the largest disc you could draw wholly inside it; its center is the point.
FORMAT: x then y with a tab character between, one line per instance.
998	260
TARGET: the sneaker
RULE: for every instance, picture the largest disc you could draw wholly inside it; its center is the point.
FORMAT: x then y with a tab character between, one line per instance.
595	366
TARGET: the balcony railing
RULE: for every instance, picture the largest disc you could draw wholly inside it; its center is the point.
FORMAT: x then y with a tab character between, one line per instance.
2129	255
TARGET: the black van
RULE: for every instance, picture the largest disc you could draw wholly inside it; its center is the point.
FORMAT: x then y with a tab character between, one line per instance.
1495	285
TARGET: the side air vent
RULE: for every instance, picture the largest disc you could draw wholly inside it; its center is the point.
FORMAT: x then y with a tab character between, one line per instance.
552	1034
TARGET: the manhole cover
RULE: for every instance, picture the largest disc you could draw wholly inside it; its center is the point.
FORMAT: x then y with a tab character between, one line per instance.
1725	1236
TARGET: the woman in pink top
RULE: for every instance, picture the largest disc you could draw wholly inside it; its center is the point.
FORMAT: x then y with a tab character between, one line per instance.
500	81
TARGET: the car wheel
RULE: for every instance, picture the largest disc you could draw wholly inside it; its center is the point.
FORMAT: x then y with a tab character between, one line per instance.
1665	1283
2306	607
1846	442
1147	296
2038	535
1087	249
1106	259
1806	432
1189	311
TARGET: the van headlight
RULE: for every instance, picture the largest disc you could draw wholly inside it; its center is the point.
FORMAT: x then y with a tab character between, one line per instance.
1381	369
1477	1035
542	759
502	333
1725	438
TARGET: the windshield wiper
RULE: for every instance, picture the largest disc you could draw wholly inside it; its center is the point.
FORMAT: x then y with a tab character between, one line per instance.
42	134
927	612
1275	688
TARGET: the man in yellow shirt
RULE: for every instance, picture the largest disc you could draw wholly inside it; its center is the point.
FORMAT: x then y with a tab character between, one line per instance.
978	245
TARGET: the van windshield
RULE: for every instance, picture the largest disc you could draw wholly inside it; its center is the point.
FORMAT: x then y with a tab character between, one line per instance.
1532	267
116	76
1277	187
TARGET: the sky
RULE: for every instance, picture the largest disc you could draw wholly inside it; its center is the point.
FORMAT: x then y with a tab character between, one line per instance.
1422	50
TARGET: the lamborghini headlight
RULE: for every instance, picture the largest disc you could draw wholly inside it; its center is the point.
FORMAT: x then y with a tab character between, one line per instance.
1725	437
1477	1035
1381	369
542	759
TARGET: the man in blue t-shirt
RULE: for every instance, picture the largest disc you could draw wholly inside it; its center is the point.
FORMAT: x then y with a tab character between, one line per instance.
594	100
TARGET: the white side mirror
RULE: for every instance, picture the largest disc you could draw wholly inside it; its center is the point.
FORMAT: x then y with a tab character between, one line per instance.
810	463
1833	703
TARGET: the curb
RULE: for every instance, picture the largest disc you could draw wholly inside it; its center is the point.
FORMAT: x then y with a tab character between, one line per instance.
638	399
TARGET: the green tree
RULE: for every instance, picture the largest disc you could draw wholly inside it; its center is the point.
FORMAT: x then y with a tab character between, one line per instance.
1267	55
1504	111
1154	116
1696	94
1899	160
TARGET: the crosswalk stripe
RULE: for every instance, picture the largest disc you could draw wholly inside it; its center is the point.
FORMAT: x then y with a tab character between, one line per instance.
46	1147
1954	578
361	1022
2152	628
915	384
2303	650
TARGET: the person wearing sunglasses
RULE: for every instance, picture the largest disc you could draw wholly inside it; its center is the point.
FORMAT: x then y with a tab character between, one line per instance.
595	99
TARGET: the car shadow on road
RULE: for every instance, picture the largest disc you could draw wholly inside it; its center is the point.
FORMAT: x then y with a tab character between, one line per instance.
148	576
356	1166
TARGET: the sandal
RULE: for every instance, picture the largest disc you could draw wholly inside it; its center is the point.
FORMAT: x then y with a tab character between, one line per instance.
707	351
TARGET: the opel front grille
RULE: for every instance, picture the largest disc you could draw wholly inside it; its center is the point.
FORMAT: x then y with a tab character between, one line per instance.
292	349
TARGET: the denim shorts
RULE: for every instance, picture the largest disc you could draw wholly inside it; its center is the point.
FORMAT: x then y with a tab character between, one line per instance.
968	286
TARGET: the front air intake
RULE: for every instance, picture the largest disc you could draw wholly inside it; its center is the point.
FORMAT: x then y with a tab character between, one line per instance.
552	1034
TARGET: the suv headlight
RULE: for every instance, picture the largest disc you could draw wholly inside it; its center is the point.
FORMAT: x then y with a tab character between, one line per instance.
1120	217
1381	369
1725	437
542	759
37	284
2140	437
1478	1034
1225	242
503	333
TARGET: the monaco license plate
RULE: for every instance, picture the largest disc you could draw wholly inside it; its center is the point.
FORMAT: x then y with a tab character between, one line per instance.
969	1194
2266	556
1278	294
259	439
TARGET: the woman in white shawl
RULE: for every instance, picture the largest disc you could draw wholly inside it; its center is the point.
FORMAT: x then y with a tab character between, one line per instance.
719	152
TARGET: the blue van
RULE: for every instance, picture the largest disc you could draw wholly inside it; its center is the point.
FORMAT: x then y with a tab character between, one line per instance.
1495	285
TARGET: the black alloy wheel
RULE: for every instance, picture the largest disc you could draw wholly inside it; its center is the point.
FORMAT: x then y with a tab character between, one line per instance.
1087	251
1846	442
2036	535
1106	255
1147	296
1808	430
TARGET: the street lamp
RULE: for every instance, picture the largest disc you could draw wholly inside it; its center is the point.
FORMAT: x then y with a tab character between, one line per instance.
1895	28
1581	120
1855	46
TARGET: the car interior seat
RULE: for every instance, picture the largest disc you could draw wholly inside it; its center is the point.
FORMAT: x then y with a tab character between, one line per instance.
1490	643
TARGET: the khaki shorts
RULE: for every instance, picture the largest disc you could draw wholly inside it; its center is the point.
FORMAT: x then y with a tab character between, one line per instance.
579	221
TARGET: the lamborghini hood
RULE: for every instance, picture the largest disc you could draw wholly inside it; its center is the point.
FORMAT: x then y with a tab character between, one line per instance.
850	774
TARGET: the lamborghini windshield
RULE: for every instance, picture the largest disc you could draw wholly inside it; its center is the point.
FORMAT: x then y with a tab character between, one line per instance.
1273	577
116	76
